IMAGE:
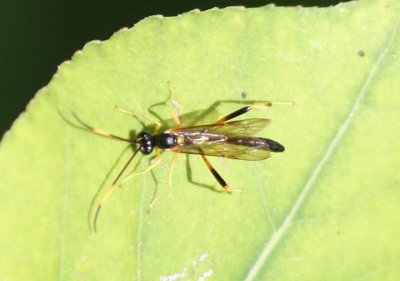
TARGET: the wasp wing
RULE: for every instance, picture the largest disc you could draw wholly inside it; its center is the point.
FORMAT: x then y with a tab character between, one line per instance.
240	147
241	127
233	147
230	140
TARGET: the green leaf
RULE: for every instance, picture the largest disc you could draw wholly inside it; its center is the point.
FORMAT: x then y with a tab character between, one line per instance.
326	208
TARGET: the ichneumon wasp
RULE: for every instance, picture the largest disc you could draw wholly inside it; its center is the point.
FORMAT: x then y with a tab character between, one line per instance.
223	138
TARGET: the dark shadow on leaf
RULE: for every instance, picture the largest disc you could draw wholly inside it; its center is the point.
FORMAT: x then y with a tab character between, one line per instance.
189	177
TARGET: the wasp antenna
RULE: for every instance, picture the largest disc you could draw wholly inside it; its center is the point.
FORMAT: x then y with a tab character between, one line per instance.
97	131
110	189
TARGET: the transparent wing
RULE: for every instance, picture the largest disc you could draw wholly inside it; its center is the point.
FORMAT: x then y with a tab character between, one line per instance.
240	127
235	147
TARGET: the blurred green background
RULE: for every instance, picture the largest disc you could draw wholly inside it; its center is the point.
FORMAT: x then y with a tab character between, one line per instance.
37	36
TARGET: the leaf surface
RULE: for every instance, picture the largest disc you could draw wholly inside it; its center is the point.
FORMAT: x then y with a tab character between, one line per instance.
326	208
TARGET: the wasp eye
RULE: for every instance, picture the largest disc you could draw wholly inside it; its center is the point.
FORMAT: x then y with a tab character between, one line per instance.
146	143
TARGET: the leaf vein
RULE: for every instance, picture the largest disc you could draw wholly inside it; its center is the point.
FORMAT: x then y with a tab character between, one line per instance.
278	235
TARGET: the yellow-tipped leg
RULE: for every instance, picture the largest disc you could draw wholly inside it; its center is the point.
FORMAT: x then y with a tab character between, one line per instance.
143	116
216	175
264	105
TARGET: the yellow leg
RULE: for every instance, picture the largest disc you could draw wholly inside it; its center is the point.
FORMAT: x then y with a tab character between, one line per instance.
148	169
173	166
155	197
175	104
144	116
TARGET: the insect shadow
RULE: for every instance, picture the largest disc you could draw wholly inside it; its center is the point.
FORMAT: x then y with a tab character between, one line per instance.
233	139
204	116
189	119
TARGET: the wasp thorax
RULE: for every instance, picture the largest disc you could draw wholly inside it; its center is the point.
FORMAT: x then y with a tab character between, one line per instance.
165	141
146	144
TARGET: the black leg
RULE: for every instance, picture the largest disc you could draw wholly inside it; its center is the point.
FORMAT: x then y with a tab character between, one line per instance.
216	175
244	110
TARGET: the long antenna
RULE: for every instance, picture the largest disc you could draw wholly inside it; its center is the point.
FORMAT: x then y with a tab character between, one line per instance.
110	189
97	131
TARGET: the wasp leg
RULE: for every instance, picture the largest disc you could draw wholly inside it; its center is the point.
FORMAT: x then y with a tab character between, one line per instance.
155	197
245	109
173	166
218	177
175	104
144	116
145	171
